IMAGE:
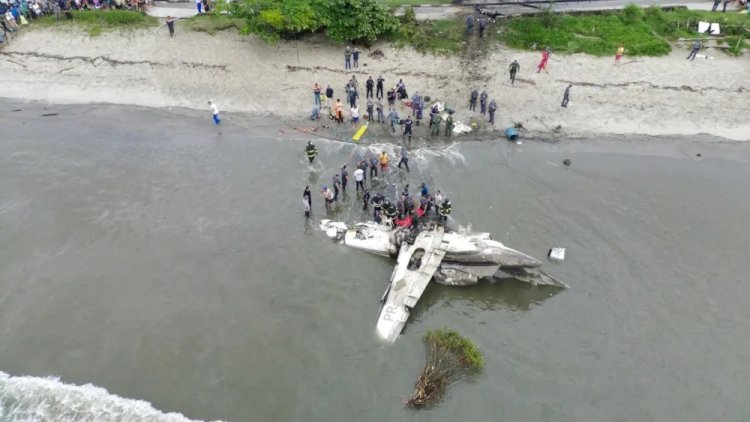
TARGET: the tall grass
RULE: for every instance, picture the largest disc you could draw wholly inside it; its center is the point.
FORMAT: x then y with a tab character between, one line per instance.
643	32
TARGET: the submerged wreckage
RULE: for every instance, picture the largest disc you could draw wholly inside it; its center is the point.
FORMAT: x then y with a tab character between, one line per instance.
427	252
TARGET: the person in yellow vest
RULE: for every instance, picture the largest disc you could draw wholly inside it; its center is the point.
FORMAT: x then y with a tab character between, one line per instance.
618	55
383	162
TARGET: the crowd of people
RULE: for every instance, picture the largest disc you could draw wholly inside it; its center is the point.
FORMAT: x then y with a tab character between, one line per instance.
17	13
403	211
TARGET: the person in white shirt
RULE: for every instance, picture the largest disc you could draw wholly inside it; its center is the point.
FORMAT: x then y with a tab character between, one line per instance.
359	178
199	5
355	114
215	112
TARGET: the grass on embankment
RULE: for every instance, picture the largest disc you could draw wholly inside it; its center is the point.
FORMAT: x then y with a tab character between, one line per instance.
213	23
97	21
643	32
413	2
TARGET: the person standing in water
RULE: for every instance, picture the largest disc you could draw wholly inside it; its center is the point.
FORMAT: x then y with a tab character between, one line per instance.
307	201
311	151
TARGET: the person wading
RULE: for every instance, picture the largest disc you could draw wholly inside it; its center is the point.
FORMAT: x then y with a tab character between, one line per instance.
311	151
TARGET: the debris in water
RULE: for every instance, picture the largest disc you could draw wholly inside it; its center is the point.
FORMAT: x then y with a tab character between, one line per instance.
567	162
18	109
49	114
450	358
556	254
698	154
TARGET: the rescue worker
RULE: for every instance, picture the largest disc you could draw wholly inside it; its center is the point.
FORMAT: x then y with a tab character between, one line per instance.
444	210
383	162
347	58
373	166
435	124
311	151
470	24
407	129
366	200
493	107
391	97
369	84
344	178
433	111
362	164
514	68
379	87
307	200
369	110
405	161
438	199
483	102
449	125
377	205
379	108
423	190
353	95
336	186
390	211
393	117
473	100
482	24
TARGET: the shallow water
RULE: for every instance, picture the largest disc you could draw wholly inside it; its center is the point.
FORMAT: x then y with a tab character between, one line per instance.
166	260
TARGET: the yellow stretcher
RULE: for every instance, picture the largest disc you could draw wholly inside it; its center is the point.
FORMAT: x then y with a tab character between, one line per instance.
359	133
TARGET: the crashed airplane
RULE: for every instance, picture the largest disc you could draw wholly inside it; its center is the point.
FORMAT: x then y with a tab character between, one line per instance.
431	252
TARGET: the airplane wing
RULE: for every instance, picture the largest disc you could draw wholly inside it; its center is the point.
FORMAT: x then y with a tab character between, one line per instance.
417	263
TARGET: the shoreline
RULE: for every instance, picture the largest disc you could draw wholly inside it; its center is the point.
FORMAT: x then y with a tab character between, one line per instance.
665	96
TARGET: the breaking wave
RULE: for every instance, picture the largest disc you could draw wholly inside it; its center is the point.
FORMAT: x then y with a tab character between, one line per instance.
423	156
27	399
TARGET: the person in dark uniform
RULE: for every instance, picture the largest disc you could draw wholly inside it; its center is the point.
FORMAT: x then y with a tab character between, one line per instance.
344	178
369	84
483	102
366	200
311	151
407	131
404	160
444	210
473	100
307	198
493	107
379	87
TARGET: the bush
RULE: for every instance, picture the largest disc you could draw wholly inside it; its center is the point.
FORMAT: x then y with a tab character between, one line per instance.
341	20
631	14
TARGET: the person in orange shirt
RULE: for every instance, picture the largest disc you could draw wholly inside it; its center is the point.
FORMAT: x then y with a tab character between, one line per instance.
618	55
338	111
383	162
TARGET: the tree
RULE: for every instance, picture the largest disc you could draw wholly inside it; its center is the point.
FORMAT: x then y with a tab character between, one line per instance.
341	20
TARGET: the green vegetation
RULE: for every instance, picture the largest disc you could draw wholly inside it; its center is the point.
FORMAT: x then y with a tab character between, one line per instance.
437	37
643	32
414	2
97	21
213	23
450	358
340	20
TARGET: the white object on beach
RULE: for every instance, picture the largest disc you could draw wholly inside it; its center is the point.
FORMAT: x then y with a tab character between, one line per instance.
703	28
556	254
461	128
703	56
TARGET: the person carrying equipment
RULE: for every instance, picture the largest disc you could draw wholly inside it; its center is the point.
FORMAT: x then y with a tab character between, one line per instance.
444	210
311	151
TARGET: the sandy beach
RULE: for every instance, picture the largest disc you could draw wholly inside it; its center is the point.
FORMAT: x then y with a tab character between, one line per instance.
652	96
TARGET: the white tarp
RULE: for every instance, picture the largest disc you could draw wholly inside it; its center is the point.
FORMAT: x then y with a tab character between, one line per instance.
461	127
703	28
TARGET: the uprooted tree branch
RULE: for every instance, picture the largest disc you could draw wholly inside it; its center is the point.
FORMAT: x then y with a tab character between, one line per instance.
450	359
